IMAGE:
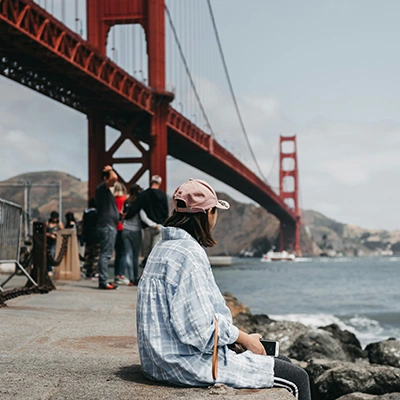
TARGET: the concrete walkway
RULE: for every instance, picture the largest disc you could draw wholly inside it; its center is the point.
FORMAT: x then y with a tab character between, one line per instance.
78	342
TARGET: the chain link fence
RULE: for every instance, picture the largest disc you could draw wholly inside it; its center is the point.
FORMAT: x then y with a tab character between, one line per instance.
10	237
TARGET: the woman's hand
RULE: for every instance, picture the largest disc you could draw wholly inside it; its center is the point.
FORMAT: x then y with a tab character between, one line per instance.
251	342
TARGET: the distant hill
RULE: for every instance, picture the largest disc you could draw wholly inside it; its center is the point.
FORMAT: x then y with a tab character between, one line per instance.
349	239
44	199
244	228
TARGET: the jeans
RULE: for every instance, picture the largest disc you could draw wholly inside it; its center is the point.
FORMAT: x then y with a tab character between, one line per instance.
120	255
106	236
51	247
291	377
133	243
92	251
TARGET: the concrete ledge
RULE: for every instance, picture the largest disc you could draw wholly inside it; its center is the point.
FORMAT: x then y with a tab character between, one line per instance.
78	342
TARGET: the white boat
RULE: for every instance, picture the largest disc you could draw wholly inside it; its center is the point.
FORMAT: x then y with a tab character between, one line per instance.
278	256
220	261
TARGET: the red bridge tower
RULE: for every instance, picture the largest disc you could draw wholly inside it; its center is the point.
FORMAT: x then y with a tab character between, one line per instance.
150	14
289	193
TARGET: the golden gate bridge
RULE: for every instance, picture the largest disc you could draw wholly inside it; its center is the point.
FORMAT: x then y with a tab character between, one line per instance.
155	71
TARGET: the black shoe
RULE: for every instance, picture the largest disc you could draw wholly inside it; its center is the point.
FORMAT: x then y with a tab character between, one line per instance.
108	286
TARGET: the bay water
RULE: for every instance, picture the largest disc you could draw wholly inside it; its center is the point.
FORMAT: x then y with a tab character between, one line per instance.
360	294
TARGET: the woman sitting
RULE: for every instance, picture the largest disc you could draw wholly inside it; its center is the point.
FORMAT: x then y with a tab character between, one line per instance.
179	302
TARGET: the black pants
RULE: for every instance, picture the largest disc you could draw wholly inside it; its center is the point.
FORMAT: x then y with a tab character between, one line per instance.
292	378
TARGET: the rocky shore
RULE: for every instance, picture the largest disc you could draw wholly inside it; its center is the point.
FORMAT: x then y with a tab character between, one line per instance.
339	368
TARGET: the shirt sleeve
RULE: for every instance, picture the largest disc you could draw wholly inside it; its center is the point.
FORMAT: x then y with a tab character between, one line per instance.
134	207
192	312
146	219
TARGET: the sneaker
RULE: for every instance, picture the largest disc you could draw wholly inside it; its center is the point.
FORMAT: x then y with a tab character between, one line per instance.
94	277
121	280
132	283
108	286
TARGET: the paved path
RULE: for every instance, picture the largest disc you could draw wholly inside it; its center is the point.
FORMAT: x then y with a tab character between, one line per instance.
78	342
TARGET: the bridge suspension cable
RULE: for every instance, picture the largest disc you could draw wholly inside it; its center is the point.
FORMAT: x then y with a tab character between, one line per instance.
189	75
231	89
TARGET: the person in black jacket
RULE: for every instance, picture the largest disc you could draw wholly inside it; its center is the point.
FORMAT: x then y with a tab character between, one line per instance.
92	246
107	220
154	202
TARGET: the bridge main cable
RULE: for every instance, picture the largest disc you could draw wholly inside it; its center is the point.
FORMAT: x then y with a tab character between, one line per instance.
232	91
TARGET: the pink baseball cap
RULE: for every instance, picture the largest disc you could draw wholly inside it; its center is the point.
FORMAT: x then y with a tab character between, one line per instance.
198	196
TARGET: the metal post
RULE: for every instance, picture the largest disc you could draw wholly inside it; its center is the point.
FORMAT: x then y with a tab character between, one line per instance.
26	217
29	185
60	199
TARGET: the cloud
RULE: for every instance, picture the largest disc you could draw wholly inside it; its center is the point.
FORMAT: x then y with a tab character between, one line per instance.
338	5
40	134
346	171
350	152
17	143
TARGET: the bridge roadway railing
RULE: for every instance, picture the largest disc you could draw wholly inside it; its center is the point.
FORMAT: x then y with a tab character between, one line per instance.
10	237
26	24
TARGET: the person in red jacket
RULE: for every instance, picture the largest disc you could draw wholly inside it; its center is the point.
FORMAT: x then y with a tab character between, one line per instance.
120	194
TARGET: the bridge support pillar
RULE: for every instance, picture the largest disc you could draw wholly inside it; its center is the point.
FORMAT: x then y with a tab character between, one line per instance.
289	237
97	150
159	141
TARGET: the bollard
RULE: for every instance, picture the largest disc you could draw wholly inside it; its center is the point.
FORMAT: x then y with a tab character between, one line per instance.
39	271
69	267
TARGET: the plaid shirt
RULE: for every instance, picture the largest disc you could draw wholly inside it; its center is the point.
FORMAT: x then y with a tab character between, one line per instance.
177	301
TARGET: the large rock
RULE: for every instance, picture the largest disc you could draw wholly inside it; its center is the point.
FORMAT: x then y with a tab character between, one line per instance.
235	306
364	396
286	332
318	344
386	352
350	344
332	379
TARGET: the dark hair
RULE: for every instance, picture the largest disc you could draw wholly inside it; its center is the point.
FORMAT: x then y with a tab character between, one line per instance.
196	224
134	191
69	216
92	203
54	215
105	174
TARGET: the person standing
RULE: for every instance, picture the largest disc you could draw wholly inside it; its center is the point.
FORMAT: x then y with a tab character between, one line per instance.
70	221
52	226
107	220
92	248
132	235
120	193
155	204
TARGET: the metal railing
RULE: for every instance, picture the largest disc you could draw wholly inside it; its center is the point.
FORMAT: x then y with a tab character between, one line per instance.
10	237
10	231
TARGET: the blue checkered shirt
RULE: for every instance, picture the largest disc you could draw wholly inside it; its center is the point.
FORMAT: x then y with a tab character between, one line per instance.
177	301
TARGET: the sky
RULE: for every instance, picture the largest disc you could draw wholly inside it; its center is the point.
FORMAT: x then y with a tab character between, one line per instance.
325	70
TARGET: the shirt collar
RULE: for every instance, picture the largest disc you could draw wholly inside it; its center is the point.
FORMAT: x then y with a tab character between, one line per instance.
173	233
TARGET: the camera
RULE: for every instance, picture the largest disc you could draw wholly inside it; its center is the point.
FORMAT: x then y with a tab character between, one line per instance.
271	347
